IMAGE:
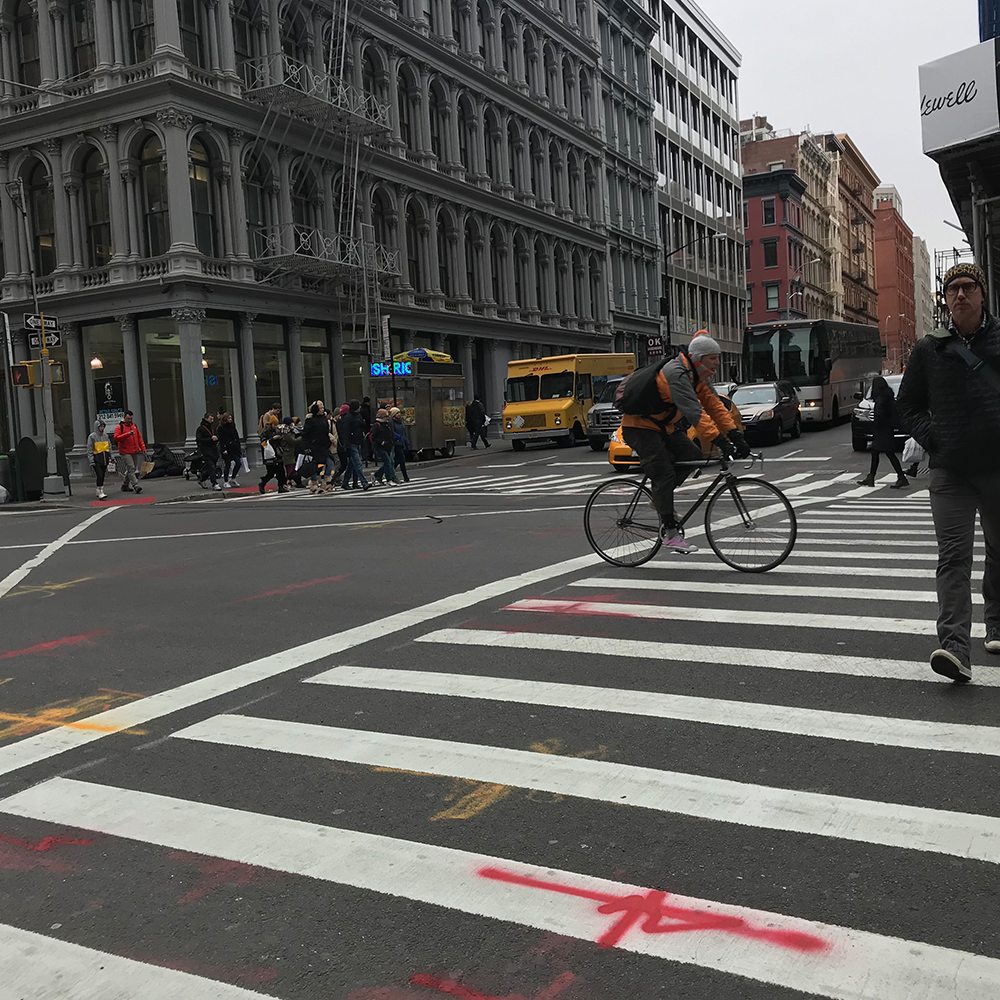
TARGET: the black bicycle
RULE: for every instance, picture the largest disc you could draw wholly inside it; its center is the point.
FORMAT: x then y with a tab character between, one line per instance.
749	523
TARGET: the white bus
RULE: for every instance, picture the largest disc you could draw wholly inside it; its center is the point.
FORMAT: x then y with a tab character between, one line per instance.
827	362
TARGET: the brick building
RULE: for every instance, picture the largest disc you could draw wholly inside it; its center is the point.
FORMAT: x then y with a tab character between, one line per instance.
775	245
894	281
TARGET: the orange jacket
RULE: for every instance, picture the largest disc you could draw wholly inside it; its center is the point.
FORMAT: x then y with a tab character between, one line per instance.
685	393
129	440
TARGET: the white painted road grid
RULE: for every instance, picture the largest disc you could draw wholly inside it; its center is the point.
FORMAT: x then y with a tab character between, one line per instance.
822	959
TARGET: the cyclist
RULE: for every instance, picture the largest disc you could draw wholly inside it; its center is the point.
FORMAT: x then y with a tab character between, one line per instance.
659	439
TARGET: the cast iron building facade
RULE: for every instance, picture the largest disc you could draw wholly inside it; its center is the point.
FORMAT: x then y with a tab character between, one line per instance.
224	199
697	159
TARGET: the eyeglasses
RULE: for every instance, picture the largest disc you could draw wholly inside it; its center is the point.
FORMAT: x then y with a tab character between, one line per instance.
968	287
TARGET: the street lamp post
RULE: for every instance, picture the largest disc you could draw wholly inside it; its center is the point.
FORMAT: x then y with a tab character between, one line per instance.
788	298
706	236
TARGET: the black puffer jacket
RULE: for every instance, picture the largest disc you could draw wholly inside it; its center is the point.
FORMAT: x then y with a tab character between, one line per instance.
203	439
316	434
950	409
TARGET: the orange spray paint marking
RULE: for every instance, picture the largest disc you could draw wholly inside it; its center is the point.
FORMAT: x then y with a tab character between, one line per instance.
60	712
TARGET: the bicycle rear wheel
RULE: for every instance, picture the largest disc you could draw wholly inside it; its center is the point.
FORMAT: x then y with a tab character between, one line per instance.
621	523
750	525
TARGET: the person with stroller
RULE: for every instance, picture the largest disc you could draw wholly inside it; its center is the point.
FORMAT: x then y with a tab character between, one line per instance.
208	450
232	451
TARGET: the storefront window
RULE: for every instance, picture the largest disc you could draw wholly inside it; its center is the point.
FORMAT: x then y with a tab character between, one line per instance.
270	365
316	366
221	368
62	408
102	343
165	389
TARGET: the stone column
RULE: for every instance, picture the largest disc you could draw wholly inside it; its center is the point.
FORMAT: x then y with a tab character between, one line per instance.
77	395
118	44
424	136
438	342
465	360
296	376
337	352
248	390
130	357
224	177
408	343
237	199
59	38
23	397
8	64
189	320
46	44
11	220
71	183
175	129
103	46
227	46
168	33
64	230
212	8
133	240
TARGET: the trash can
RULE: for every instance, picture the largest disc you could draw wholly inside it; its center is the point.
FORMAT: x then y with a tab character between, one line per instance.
32	464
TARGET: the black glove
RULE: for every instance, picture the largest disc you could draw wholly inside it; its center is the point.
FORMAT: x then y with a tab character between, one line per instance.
739	443
727	450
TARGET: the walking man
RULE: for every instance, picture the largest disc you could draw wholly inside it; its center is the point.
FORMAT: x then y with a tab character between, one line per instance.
353	425
949	401
131	449
208	447
475	421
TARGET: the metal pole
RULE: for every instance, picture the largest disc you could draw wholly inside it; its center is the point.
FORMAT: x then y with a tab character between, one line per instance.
8	388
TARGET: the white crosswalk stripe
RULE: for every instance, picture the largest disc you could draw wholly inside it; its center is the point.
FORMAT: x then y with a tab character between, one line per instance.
566	670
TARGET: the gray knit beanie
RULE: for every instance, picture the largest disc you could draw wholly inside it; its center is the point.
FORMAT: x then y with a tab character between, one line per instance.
703	345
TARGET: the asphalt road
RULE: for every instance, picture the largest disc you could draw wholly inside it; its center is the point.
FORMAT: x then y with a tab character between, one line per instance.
420	742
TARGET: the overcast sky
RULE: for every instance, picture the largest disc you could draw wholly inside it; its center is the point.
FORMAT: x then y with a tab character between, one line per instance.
852	67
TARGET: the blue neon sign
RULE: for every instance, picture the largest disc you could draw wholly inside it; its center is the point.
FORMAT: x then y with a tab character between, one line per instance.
391	368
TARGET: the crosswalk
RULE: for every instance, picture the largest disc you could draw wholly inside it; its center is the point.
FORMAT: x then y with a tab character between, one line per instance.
667	667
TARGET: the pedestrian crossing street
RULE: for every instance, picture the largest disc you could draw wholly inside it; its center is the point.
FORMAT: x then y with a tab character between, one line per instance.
668	667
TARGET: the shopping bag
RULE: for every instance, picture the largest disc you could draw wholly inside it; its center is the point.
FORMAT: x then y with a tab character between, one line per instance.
268	452
145	469
112	467
298	462
912	452
244	464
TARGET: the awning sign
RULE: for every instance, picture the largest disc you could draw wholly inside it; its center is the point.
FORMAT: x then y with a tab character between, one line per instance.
958	98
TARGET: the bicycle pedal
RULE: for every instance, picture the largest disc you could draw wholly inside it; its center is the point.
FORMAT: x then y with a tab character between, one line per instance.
696	474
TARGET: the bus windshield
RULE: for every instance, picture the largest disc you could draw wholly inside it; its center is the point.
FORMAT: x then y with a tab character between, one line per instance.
523	389
557	385
792	354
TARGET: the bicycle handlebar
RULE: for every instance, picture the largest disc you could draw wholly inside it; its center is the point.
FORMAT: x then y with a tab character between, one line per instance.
722	460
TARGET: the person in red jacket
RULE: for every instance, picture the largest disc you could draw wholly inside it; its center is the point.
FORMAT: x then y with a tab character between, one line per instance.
131	451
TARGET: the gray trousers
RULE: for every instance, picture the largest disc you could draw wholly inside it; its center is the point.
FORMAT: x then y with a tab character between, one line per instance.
955	501
128	466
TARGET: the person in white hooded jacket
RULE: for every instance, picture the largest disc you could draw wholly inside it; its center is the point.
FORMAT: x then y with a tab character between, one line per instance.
99	455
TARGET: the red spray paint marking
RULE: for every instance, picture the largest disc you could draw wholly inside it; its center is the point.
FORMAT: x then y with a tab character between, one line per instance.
448	552
216	872
568	608
47	647
45	844
454	989
292	587
655	916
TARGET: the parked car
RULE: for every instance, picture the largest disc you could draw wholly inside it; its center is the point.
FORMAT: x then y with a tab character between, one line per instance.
621	456
770	410
864	415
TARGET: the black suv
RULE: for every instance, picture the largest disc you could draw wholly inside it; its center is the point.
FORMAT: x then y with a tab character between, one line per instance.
770	410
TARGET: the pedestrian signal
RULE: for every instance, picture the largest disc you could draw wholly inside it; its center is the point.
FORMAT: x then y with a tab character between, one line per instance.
57	373
22	374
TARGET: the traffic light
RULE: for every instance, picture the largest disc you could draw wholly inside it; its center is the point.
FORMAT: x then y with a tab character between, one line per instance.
57	374
23	374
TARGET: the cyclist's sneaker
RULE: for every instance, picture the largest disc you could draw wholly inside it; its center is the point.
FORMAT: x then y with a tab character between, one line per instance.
992	643
674	541
949	665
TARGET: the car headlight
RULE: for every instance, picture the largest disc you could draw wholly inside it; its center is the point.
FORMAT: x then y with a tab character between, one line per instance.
764	415
811	402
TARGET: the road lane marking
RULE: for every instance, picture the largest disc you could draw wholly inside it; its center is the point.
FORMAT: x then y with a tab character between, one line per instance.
11	580
732	616
851	965
688	653
42	746
717	566
36	967
761	589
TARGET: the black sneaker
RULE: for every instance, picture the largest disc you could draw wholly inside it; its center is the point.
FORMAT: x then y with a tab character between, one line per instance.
949	665
366	487
992	642
136	489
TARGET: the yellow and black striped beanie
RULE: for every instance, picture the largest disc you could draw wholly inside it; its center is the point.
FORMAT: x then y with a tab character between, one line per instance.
973	271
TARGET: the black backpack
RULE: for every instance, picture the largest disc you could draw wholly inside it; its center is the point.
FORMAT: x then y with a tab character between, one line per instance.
637	393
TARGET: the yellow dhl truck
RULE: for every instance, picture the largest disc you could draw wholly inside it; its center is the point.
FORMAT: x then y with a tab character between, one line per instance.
548	398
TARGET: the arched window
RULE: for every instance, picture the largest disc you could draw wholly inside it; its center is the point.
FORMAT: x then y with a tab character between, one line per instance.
414	260
483	18
585	98
439	121
153	165
372	78
443	254
491	125
97	210
382	218
574	185
202	199
81	27
515	148
141	36
508	44
43	226
194	30
541	276
456	21
555	175
409	109
472	253
560	280
294	35
259	206
535	151
531	62
305	208
590	180
520	265
579	289
498	246
26	29
551	74
247	43
467	134
569	86
596	300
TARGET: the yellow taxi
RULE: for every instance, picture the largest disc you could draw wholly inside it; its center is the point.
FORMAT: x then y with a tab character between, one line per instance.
621	456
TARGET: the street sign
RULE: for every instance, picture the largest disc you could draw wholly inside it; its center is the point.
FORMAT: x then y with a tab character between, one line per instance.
52	337
654	347
33	321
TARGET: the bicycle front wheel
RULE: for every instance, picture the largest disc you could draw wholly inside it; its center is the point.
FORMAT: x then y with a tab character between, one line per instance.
750	525
621	523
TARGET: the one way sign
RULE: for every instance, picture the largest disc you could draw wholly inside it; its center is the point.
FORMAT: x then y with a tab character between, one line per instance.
33	321
52	337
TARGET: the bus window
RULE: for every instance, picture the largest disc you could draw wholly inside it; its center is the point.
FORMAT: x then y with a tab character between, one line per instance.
522	390
557	385
762	362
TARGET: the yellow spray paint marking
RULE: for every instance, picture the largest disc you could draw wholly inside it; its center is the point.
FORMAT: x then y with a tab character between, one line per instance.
49	589
58	713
